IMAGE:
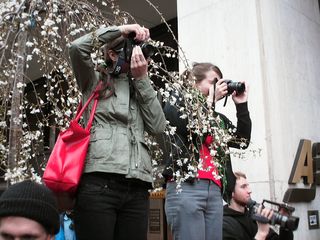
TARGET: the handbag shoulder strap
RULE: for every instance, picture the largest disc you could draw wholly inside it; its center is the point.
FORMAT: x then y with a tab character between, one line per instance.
81	109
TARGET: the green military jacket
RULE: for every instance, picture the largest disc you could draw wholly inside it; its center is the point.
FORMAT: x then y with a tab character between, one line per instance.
117	135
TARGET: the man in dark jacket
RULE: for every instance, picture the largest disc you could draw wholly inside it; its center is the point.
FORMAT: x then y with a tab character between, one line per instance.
237	221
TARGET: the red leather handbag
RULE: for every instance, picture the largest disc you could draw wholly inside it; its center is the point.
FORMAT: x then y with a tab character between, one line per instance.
66	162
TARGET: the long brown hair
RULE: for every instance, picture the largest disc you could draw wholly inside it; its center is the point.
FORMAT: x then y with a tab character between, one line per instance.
116	45
107	88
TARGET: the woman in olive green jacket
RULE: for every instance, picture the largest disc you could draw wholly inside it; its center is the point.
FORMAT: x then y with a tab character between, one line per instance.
112	200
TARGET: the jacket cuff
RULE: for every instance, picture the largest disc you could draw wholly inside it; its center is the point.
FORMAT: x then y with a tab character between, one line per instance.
242	108
144	89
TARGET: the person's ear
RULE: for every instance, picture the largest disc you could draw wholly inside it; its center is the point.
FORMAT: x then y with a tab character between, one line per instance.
112	55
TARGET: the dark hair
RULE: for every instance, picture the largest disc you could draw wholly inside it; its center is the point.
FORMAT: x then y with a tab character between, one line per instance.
116	45
107	82
199	70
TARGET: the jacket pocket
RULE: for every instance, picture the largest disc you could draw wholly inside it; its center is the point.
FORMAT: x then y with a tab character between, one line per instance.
144	157
101	143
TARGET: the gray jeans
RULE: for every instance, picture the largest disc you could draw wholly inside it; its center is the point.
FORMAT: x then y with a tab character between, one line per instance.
195	212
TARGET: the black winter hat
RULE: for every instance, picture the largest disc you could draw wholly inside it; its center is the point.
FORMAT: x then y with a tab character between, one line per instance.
31	200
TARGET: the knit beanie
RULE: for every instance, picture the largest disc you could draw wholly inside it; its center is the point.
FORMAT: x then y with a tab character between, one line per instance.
31	200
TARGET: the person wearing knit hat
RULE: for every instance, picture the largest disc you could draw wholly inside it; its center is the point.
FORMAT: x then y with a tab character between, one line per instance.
28	209
238	222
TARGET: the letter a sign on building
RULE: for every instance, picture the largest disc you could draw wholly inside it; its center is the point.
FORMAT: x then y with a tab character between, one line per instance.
306	167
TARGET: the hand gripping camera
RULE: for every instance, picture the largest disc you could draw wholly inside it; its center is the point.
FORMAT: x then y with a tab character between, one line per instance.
123	63
232	86
239	87
288	222
148	49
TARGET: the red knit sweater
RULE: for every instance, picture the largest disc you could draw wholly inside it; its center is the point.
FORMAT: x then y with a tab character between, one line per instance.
208	170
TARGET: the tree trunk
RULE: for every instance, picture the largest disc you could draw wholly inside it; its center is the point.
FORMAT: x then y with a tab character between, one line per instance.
16	120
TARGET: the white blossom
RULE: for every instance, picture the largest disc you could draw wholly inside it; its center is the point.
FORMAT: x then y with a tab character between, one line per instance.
3	124
29	44
36	51
48	22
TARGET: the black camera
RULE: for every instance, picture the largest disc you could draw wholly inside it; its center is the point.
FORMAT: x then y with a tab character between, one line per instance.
287	222
124	59
148	49
239	87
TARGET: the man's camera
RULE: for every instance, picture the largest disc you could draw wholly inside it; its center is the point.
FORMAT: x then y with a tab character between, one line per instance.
239	87
148	49
287	221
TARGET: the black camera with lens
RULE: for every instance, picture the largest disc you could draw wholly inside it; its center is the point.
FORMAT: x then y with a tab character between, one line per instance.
239	87
148	49
125	53
286	221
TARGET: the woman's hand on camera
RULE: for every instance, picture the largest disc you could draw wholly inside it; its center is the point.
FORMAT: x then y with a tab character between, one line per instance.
138	65
141	33
243	97
221	90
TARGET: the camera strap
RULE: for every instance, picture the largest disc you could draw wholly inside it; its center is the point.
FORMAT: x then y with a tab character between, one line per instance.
121	66
123	63
225	100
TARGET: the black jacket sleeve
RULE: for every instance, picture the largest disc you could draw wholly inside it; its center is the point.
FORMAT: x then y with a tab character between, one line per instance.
283	235
243	129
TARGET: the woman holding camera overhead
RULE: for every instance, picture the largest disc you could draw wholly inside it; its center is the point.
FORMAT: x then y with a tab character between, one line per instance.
193	206
112	200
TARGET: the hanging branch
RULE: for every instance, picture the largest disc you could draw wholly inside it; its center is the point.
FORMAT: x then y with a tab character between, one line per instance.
35	36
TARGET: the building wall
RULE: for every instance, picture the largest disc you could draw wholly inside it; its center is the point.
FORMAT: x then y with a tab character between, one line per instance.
275	46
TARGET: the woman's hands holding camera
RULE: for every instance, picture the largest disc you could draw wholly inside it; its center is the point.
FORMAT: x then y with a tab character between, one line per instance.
141	33
138	64
222	91
243	97
216	92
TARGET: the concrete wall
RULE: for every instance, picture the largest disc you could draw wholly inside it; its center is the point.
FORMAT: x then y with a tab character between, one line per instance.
275	46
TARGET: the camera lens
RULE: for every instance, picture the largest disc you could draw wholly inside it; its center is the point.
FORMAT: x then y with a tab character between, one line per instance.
239	87
148	50
287	222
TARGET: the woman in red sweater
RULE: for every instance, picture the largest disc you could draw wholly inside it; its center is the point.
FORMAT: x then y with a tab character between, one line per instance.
193	206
